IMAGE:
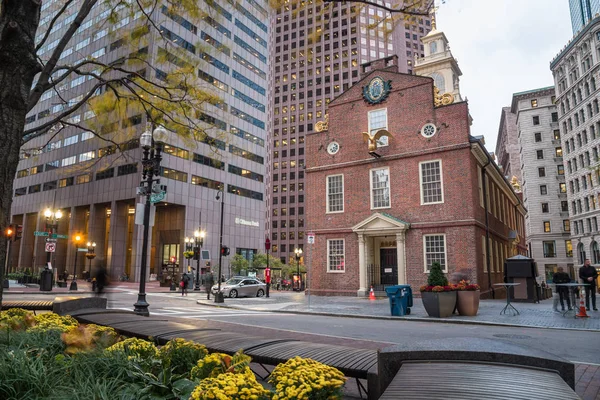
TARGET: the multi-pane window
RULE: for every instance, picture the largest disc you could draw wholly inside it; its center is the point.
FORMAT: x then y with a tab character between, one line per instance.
549	248
335	255
380	188
335	193
431	182
547	226
377	121
434	247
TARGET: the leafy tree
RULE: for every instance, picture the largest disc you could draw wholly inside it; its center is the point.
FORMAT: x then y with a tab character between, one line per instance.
238	263
118	95
260	261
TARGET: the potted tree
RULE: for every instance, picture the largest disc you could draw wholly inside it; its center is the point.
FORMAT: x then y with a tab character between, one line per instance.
467	298
439	298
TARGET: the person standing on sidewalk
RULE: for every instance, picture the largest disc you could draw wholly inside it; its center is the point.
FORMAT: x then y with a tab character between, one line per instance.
589	275
563	292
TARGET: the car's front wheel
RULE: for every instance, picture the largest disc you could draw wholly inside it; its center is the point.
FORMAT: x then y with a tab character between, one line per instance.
260	293
233	293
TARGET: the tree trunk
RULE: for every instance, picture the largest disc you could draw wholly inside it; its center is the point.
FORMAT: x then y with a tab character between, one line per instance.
19	20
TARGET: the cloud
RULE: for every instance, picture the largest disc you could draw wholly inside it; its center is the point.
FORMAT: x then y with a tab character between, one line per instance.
502	47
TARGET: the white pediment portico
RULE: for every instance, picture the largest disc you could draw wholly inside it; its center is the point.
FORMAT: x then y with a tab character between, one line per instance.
380	224
371	231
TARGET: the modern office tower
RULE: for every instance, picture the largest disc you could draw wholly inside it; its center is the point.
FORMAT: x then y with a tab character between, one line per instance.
582	12
535	129
318	50
94	184
575	71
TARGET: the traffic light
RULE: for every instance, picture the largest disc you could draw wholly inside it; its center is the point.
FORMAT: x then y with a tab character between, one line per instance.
18	232
10	232
224	250
173	260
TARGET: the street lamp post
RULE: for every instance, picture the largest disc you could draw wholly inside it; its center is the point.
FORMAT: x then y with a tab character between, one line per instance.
73	286
298	253
199	237
151	168
188	247
221	196
268	270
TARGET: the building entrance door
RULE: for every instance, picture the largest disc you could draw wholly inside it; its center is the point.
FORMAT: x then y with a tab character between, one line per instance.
389	266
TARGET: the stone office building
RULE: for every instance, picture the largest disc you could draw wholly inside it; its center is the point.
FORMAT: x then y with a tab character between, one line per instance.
94	184
396	182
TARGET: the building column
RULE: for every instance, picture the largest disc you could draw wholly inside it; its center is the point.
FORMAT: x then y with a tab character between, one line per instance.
39	244
27	245
401	249
117	239
362	266
97	234
76	227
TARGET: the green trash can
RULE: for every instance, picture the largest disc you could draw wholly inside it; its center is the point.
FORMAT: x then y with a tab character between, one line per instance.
401	300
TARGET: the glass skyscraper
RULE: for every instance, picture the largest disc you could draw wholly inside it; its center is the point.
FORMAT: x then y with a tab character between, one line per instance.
582	11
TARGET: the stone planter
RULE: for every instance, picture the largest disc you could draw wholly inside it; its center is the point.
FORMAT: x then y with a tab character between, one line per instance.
467	302
439	304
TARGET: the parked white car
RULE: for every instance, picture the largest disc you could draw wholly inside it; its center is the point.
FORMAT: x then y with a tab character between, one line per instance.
241	286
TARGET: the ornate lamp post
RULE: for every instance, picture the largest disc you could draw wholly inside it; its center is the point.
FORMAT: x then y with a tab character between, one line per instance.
52	218
219	295
73	286
188	249
199	237
91	254
298	253
151	168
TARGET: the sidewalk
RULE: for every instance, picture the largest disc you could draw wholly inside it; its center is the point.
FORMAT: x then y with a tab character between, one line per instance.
531	315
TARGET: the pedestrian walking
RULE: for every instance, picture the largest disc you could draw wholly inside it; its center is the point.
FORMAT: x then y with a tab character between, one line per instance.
208	283
101	280
589	276
563	292
184	284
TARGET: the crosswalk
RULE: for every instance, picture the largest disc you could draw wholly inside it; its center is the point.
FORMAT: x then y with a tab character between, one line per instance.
200	313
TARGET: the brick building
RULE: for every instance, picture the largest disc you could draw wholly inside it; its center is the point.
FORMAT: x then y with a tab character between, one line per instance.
382	215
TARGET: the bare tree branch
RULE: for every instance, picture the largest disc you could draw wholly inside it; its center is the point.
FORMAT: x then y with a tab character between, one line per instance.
44	77
51	25
404	10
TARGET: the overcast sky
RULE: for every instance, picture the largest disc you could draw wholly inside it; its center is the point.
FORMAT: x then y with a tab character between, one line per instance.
502	47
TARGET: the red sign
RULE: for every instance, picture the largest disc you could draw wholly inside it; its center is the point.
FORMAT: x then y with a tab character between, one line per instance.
268	275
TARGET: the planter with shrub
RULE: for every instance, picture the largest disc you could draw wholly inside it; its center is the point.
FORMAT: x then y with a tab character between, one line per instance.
439	298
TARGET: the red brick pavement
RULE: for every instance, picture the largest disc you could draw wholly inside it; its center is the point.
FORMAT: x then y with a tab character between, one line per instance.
587	381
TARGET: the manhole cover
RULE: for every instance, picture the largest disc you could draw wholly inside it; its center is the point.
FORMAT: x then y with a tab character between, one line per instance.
511	336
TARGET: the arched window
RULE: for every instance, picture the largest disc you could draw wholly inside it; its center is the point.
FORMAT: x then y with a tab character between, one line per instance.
587	89
581	253
438	81
593	81
433	47
595	252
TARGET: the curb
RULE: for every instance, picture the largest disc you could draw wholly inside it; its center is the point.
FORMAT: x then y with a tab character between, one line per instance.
416	319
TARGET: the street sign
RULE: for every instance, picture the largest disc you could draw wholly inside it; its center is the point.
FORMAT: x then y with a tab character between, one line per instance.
156	197
40	233
51	240
310	238
50	247
57	236
82	249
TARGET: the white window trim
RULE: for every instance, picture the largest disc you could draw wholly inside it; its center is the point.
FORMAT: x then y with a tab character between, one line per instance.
441	181
344	255
327	194
386	123
445	270
371	188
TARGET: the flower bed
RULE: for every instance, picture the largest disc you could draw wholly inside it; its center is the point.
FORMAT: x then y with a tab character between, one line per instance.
54	357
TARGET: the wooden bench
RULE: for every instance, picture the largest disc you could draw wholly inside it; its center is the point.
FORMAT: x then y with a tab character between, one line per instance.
32	305
460	380
354	363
